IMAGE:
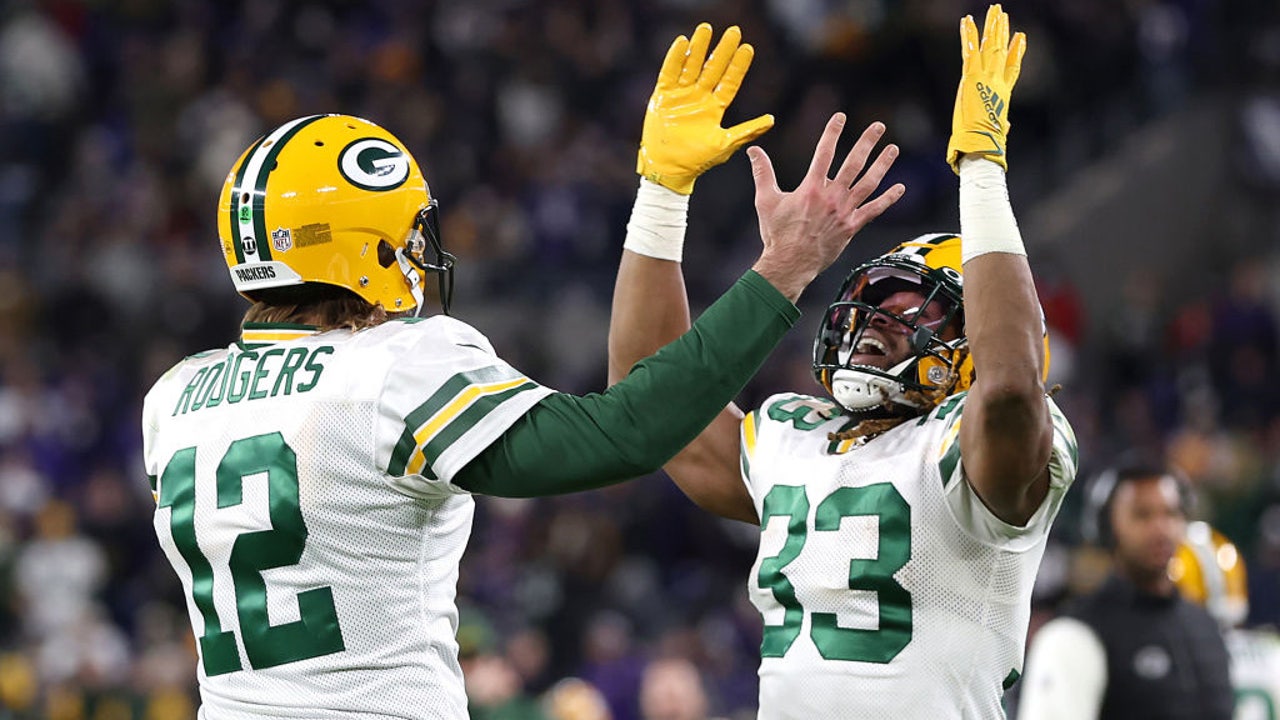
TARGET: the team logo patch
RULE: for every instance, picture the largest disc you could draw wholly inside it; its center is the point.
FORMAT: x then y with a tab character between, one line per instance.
281	239
374	164
1152	662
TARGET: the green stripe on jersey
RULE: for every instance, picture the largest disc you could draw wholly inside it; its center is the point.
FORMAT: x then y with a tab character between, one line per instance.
468	419
448	391
1064	435
951	458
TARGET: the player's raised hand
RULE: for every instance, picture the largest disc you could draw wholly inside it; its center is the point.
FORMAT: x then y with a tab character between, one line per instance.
682	137
980	123
805	230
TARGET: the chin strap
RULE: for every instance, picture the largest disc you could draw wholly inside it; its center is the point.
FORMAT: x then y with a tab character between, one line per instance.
413	276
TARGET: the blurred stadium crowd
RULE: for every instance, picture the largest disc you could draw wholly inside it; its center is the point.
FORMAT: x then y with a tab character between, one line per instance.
119	119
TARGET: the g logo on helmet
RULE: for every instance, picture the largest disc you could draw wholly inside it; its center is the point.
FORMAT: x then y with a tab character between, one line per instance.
374	164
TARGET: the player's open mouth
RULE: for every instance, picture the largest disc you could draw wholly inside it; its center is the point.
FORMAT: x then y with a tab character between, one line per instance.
870	346
871	352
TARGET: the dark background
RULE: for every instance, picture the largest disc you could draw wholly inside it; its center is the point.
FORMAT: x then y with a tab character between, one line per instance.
1145	172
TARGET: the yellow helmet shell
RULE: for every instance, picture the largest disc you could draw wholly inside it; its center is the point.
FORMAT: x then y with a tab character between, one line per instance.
314	200
1208	569
939	256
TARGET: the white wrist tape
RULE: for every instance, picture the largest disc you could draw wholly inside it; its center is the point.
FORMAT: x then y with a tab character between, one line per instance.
657	224
987	224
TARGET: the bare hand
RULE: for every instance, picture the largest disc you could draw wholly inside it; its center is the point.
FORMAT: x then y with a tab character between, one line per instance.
805	230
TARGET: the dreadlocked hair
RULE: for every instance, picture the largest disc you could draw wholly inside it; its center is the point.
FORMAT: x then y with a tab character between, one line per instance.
927	398
867	429
328	307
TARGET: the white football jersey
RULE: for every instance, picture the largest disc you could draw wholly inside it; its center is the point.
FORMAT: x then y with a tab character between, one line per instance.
304	497
1255	673
888	590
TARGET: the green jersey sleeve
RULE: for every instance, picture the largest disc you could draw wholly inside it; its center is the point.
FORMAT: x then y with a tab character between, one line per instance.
568	443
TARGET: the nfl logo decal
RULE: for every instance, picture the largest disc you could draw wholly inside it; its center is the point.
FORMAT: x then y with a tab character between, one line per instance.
281	239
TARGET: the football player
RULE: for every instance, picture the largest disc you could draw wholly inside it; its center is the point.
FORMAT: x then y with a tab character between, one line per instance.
904	515
313	478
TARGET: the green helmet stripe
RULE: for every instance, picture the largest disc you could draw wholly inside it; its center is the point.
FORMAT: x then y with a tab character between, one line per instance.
260	188
237	242
257	168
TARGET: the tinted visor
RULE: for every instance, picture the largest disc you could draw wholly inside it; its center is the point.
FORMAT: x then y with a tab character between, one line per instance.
858	305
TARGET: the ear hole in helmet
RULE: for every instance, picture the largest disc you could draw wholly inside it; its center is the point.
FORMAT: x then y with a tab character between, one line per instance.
386	254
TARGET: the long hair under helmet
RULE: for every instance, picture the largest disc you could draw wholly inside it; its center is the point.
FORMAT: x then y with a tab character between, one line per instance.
335	200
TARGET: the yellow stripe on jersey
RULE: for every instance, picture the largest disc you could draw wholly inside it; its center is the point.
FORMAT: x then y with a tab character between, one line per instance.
464	399
749	435
747	445
274	335
949	439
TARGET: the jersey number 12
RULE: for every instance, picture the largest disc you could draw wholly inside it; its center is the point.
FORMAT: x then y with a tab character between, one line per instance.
317	632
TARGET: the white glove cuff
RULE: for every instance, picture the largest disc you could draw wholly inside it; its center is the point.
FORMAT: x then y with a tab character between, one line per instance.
987	224
658	220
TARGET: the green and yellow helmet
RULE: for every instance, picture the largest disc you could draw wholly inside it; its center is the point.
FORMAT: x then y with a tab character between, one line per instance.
1208	569
335	200
929	264
939	365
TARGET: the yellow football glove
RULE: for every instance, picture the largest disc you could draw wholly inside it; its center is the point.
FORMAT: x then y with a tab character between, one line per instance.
682	136
980	124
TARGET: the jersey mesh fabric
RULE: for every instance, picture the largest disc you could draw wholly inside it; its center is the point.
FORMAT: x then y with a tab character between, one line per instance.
386	547
969	586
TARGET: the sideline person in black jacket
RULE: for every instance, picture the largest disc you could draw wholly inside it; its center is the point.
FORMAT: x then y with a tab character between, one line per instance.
1134	649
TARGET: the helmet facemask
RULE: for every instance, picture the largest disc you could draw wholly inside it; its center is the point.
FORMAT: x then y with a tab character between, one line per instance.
931	370
424	236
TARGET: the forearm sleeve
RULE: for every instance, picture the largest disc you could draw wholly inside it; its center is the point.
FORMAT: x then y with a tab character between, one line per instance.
568	443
